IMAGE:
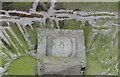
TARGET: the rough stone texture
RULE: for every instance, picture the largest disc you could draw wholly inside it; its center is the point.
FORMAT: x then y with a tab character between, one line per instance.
62	47
63	51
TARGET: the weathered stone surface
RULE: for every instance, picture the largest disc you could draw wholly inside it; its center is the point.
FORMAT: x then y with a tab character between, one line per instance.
63	51
62	66
62	47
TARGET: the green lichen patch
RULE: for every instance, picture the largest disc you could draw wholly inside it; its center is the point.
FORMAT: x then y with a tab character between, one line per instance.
91	6
102	56
0	61
71	24
25	65
23	6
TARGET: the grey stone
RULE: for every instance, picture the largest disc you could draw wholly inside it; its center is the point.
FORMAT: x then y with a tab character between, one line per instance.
62	47
61	52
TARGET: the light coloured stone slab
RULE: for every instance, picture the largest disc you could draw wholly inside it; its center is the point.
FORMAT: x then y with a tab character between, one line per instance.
62	66
65	45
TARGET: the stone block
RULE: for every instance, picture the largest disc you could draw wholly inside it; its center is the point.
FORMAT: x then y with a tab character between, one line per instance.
63	51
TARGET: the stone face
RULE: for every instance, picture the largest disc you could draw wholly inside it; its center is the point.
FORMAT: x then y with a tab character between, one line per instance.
63	51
